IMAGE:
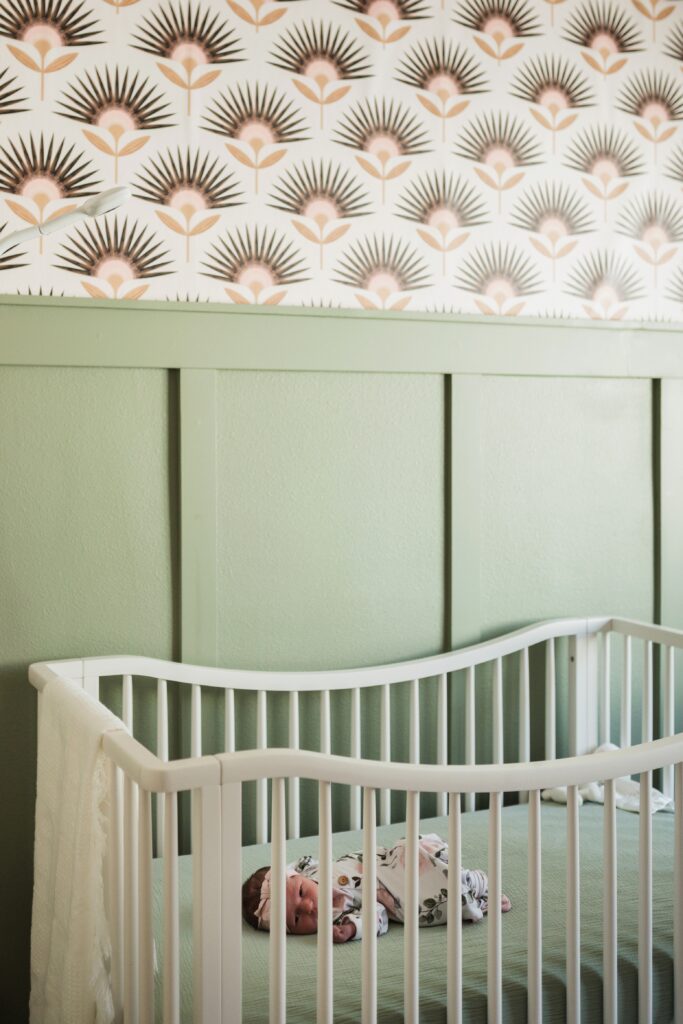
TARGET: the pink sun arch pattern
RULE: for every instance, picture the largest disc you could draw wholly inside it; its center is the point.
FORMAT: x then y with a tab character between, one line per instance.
507	157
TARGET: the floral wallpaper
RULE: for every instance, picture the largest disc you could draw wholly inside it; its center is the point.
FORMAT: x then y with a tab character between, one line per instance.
478	156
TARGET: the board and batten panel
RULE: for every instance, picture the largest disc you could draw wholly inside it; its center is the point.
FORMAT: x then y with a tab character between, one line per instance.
330	546
87	558
553	490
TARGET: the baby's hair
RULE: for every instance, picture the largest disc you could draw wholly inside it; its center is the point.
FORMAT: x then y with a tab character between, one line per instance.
251	896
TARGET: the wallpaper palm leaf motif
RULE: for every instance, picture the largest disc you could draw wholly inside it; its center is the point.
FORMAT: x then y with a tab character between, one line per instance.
499	157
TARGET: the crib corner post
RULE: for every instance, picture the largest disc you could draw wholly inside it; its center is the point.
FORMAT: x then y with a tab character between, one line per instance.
583	693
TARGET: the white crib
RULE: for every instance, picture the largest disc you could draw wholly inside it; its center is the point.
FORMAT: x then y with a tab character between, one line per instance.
215	782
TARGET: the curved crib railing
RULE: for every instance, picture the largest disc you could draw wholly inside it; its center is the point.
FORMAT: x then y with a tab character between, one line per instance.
215	782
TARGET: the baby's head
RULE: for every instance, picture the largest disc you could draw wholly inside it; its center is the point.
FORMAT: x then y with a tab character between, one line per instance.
302	902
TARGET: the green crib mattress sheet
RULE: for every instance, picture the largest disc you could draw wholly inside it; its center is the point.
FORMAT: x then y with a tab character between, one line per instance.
301	950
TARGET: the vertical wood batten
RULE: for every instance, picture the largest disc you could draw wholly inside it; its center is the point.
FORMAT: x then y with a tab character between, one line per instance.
645	901
198	564
369	895
261	784
442	738
454	919
678	895
625	731
495	958
278	911
470	730
162	753
573	909
610	985
524	713
535	923
171	976
231	902
550	715
354	791
324	1012
293	809
385	752
411	947
145	930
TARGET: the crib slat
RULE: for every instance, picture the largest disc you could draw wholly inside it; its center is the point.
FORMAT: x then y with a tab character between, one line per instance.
231	902
470	733
206	904
678	895
261	784
369	895
145	935
414	749
278	908
645	902
550	715
385	752
131	906
609	927
127	702
325	732
625	732
411	948
354	791
495	954
325	977
573	909
115	882
605	696
293	809
647	693
524	713
535	925
196	721
171	979
442	737
162	753
669	713
229	724
454	919
498	711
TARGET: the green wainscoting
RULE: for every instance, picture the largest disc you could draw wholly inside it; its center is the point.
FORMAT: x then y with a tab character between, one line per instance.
313	488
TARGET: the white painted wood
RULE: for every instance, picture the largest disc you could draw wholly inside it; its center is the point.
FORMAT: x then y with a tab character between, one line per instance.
162	753
231	902
668	658
354	791
325	732
678	895
385	752
131	906
470	730
171	973
524	713
115	882
369	919
550	700
535	920
411	946
196	722
414	727
278	907
145	930
647	709
610	983
442	737
261	783
498	755
229	722
583	696
645	901
495	944
324	993
206	905
625	731
454	919
573	909
127	701
293	808
605	690
91	685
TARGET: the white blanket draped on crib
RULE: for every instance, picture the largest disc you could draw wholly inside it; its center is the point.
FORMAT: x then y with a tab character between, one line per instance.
70	948
626	792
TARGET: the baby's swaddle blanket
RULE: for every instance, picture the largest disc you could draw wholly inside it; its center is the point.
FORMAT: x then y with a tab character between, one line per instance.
70	949
626	792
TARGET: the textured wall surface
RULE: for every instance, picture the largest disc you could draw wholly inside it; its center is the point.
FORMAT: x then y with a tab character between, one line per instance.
491	156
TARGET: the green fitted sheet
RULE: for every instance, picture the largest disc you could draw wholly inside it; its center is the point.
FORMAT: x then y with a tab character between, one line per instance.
301	950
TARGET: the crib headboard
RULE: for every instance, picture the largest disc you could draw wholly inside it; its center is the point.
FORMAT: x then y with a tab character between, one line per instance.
309	488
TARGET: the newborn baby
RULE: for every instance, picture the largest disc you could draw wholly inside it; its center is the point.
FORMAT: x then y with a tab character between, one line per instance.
347	877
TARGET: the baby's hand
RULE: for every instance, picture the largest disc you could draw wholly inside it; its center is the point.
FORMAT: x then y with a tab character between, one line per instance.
343	932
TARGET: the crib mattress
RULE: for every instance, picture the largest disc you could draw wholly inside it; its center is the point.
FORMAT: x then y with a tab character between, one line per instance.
301	950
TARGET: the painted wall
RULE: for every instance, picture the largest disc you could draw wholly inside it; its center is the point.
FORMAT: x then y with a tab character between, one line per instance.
517	156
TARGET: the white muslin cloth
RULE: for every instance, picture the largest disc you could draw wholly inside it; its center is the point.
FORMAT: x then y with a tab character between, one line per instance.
626	792
70	945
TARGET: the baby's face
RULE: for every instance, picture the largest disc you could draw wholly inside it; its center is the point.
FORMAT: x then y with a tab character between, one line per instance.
302	905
